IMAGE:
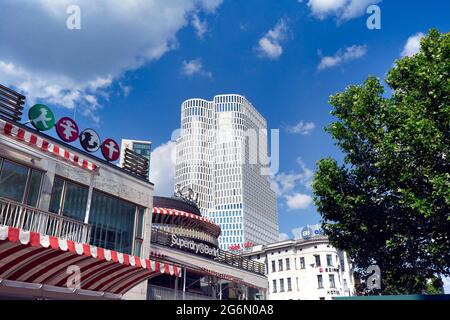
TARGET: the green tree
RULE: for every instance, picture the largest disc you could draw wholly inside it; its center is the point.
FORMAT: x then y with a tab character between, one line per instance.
389	202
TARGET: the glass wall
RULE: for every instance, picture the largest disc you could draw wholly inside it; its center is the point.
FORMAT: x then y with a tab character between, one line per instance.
19	183
113	222
69	199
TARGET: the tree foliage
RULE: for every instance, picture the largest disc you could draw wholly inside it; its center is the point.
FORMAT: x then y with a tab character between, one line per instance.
389	202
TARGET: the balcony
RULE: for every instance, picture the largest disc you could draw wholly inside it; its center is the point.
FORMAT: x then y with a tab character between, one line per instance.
18	215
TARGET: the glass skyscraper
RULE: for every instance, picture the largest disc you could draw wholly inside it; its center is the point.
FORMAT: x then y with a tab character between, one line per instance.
218	156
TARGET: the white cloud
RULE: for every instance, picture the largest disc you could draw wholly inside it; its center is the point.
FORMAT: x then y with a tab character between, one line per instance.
269	46
190	68
412	45
42	58
288	186
343	10
162	169
285	183
302	128
200	26
343	56
298	201
283	237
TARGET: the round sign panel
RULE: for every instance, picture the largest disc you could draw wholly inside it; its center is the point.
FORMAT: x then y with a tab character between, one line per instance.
306	233
89	140
41	117
110	150
67	129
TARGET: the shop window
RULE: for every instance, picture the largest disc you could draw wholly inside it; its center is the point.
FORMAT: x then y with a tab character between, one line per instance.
69	199
139	237
19	183
113	223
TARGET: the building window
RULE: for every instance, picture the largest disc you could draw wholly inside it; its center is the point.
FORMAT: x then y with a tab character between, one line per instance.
302	263
113	223
296	280
332	282
69	199
320	281
345	284
273	266
329	260
317	258
274	286
19	183
280	265
281	285
139	236
289	284
288	264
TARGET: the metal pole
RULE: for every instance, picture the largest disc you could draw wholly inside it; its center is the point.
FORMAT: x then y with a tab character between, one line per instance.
176	288
184	284
220	288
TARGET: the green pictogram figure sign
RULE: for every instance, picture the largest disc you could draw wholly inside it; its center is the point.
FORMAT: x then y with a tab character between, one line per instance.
41	117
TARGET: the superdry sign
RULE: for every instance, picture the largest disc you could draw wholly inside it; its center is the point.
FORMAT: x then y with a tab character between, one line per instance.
197	248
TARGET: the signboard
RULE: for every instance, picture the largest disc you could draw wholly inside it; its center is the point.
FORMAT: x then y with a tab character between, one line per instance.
41	117
110	150
89	140
196	247
67	129
234	247
186	193
307	232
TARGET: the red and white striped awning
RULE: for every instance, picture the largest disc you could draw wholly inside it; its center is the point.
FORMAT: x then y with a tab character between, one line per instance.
172	212
20	134
34	258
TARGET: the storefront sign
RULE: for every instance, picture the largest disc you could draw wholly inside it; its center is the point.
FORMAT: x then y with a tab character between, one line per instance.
307	232
110	150
67	129
89	140
197	248
41	117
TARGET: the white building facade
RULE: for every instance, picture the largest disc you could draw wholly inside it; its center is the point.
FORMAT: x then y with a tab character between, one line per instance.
305	269
221	154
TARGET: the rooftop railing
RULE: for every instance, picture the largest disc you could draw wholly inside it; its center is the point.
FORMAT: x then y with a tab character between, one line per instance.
18	215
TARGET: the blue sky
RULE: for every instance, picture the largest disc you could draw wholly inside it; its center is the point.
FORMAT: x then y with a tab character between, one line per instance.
131	65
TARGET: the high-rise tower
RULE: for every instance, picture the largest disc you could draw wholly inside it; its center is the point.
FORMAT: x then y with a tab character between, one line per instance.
219	156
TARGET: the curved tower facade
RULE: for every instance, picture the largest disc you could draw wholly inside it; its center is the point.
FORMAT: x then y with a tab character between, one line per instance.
218	156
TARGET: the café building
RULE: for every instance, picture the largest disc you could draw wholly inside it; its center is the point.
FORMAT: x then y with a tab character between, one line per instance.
72	225
181	236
